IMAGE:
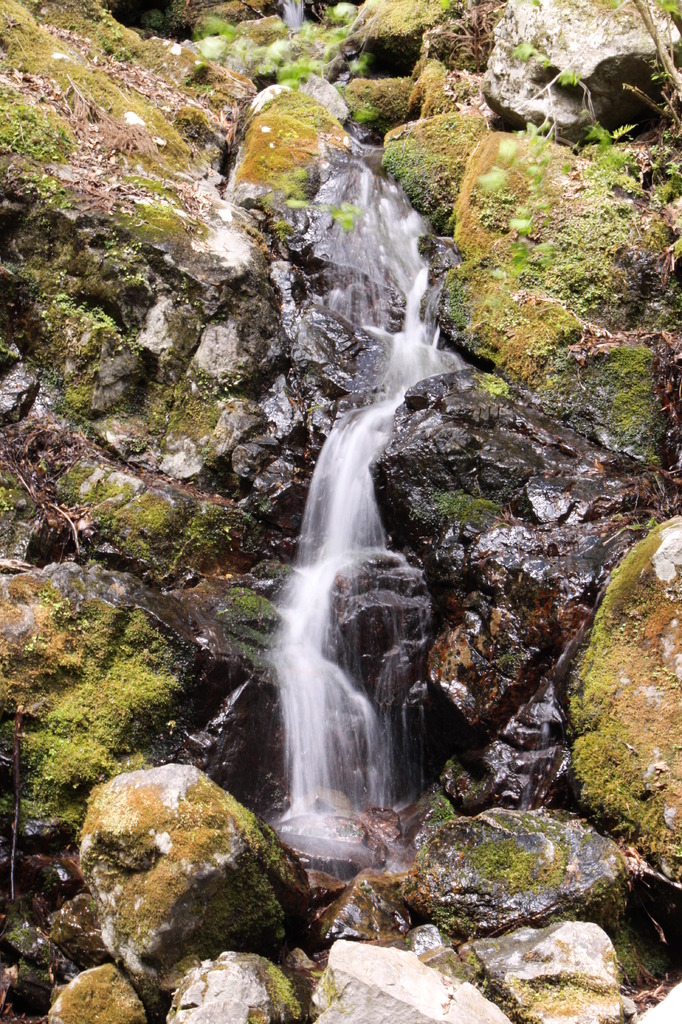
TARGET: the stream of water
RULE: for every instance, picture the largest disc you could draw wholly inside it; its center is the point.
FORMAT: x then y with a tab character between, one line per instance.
336	741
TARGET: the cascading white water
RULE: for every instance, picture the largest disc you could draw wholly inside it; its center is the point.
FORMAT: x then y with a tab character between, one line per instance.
293	13
335	740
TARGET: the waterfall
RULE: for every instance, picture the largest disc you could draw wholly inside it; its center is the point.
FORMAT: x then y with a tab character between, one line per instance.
336	740
293	12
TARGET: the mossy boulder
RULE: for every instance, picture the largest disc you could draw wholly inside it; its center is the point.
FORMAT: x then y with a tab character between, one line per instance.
624	703
381	103
16	513
494	872
594	257
392	30
429	158
437	91
100	684
180	870
288	135
241	988
565	972
101	995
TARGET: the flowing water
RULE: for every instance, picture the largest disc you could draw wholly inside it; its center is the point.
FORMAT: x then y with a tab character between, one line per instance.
337	741
293	12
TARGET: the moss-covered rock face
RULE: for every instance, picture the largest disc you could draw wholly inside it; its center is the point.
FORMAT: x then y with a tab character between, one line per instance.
429	158
16	510
237	987
100	686
392	30
287	136
180	870
98	996
592	260
627	732
496	871
160	531
381	103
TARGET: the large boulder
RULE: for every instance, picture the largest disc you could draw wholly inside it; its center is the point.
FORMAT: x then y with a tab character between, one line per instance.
605	49
101	995
180	870
565	973
624	703
392	30
504	868
237	988
371	985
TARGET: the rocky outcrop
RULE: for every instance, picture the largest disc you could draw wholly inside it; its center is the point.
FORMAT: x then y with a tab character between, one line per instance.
370	985
567	972
179	869
504	868
237	987
509	518
566	64
627	745
101	995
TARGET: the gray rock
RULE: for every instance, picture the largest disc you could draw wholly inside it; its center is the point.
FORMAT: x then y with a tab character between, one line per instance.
119	367
605	48
371	985
325	94
182	460
237	988
564	974
18	391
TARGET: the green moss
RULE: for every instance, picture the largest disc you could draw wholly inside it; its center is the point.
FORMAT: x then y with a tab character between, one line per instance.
463	508
99	685
283	142
393	29
382	103
627	750
101	995
39	134
640	953
167	531
505	862
250	620
429	159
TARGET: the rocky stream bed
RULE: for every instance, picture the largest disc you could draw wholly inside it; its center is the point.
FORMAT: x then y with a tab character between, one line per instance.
340	513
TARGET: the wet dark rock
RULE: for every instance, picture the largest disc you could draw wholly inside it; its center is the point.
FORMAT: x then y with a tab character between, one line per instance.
381	615
516	522
371	909
324	888
77	931
423	938
339	846
37	963
334	358
502	869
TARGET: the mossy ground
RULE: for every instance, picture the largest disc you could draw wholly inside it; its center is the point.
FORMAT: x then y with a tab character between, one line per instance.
100	687
627	749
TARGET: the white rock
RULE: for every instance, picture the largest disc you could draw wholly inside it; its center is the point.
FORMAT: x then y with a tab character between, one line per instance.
130	117
266	96
605	48
234	989
667	1012
669	554
176	49
370	985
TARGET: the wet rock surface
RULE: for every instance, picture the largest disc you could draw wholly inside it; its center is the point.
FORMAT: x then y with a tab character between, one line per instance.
371	909
505	868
